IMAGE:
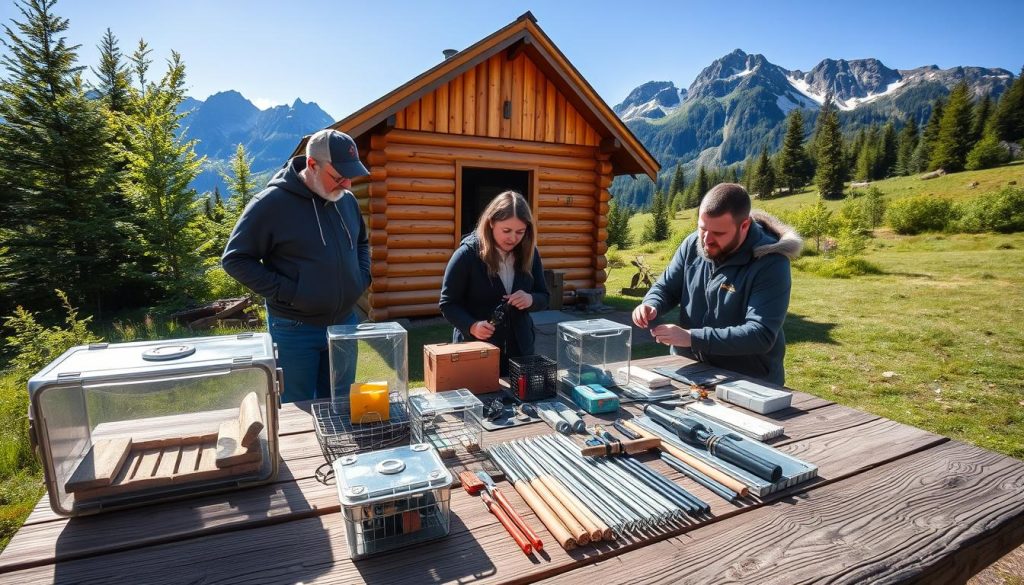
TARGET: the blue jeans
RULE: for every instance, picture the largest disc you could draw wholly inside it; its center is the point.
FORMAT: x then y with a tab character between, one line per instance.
302	354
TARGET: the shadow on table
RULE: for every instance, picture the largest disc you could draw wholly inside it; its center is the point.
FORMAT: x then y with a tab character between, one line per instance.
455	558
260	531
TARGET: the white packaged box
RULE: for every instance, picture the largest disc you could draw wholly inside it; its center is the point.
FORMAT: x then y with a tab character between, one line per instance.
753	396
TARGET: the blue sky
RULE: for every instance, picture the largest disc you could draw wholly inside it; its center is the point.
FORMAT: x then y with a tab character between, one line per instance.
344	55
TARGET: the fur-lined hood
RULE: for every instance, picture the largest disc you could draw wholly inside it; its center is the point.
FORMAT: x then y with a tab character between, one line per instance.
789	243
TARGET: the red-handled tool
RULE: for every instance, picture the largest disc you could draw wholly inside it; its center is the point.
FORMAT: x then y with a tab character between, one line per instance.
507	522
500	497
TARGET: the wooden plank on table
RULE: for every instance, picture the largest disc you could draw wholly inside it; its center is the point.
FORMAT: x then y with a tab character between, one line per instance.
477	549
100	465
250	420
938	516
844	453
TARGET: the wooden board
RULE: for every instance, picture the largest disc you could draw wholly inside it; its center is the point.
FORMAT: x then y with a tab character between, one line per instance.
101	464
892	503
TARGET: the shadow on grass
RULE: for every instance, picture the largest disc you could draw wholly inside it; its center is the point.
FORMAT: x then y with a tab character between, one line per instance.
800	329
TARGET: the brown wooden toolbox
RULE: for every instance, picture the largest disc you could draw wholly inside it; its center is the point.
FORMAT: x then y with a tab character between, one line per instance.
472	365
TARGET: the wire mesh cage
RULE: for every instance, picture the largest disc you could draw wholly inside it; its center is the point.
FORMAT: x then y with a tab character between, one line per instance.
449	421
533	377
338	436
369	405
393	498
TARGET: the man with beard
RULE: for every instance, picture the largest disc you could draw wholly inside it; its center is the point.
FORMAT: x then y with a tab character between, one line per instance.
302	244
731	280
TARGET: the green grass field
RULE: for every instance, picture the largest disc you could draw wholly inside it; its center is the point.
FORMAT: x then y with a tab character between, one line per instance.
933	341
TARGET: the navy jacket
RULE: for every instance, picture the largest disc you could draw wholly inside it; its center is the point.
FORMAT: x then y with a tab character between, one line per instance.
469	294
308	256
734	310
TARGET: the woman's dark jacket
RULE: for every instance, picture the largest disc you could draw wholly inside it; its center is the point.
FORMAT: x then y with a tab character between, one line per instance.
469	294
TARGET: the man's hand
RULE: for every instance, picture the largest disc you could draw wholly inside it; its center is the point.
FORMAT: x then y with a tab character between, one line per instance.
481	330
520	299
671	335
643	315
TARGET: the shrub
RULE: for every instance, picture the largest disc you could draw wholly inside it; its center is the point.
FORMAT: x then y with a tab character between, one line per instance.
1000	211
36	345
838	267
987	153
921	213
863	210
814	222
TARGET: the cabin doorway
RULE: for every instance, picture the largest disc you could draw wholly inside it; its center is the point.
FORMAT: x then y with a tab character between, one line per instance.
479	186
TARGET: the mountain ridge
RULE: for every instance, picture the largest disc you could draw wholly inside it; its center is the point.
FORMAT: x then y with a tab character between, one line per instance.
739	103
227	118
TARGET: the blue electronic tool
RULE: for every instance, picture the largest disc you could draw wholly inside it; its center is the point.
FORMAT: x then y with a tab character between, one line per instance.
595	398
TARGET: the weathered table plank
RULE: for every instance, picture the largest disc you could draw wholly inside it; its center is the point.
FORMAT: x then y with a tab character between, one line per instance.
938	516
876	442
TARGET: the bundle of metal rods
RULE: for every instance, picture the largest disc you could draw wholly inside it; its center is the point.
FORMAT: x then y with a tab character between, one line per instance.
580	499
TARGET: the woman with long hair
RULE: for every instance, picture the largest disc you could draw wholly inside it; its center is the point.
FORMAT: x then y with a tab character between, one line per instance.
497	266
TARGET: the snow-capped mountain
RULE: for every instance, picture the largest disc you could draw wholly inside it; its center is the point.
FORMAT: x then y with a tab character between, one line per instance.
739	102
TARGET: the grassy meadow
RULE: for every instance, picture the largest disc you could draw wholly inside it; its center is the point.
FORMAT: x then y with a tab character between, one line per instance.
932	340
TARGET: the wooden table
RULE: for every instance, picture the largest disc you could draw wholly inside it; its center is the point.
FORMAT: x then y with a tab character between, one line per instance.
892	504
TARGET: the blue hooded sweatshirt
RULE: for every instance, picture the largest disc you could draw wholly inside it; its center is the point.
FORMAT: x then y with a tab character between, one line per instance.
734	309
308	256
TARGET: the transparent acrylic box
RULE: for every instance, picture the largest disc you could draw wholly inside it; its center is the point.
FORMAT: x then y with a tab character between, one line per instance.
393	498
450	421
592	352
369	404
127	424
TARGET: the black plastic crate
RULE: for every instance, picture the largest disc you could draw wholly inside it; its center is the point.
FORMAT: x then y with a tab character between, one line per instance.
532	377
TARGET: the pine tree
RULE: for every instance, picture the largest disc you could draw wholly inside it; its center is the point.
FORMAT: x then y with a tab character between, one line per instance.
887	152
113	74
929	138
700	187
55	171
981	116
678	183
954	140
1009	114
657	227
906	144
618	225
160	167
830	172
793	161
764	177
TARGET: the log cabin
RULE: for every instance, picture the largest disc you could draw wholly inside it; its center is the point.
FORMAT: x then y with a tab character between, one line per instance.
509	112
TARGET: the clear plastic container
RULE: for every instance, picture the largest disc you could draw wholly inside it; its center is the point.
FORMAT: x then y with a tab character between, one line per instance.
117	425
449	421
593	351
393	498
369	404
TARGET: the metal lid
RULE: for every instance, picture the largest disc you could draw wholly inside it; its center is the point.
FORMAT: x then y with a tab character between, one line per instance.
439	402
589	326
364	330
380	475
137	359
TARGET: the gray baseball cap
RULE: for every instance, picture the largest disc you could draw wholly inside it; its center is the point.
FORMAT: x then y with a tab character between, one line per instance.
339	150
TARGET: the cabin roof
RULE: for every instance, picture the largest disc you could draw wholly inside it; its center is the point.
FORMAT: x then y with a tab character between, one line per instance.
627	154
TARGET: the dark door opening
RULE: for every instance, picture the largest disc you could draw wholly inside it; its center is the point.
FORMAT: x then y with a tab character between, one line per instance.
479	186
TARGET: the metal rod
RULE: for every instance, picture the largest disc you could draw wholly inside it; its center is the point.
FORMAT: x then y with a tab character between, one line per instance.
680	466
642	509
584	482
606	511
676	490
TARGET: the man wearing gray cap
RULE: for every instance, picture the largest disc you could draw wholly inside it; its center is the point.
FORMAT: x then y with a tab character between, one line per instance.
302	244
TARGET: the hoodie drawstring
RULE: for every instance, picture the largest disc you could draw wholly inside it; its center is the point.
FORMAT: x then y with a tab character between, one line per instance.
317	214
351	244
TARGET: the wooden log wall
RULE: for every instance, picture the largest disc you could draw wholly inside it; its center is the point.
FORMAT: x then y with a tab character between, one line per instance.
472	105
409	202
